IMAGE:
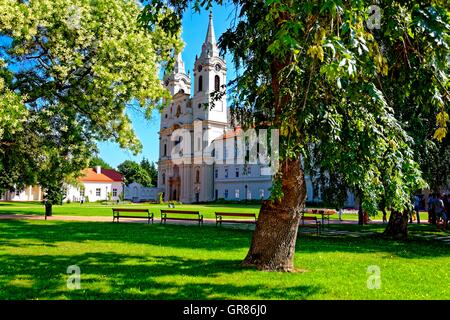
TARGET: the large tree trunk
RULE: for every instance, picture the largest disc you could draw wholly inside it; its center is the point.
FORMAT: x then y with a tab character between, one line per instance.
397	226
275	236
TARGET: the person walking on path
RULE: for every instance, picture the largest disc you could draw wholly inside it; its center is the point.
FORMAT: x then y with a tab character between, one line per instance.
417	207
431	211
439	209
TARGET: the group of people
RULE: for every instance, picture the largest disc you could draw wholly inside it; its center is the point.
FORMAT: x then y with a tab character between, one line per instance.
439	208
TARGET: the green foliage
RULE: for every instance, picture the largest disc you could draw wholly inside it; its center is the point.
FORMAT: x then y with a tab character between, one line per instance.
97	161
134	172
151	169
322	78
77	66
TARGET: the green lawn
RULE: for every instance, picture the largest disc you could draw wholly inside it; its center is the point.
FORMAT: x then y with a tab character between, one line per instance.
97	209
139	261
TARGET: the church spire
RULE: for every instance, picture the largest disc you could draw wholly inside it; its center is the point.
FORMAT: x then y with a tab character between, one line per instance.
210	36
209	48
179	65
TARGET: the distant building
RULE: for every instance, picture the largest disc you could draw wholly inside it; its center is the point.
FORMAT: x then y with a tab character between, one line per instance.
95	184
30	193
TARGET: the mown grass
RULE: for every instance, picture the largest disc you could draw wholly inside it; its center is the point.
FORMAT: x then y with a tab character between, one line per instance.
139	261
97	209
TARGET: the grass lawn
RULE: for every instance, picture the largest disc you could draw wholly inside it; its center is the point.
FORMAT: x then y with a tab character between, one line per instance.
97	209
139	261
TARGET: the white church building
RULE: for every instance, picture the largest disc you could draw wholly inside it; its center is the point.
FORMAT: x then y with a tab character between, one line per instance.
193	175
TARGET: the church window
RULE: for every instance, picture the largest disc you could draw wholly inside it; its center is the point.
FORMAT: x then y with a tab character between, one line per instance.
199	105
165	150
163	178
178	111
197	176
226	194
217	83
237	193
216	174
200	83
237	172
226	173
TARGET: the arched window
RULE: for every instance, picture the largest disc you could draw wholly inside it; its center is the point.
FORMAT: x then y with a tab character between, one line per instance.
165	150
217	83
200	83
197	176
178	111
199	105
163	178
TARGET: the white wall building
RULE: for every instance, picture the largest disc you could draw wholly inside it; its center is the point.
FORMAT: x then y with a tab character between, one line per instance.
30	193
95	185
136	192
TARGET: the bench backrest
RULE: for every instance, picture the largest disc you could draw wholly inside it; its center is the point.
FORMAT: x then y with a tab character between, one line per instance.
179	212
309	218
130	210
235	214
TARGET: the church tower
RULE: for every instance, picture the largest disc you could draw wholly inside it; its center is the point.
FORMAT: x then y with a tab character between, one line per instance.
202	116
177	115
210	74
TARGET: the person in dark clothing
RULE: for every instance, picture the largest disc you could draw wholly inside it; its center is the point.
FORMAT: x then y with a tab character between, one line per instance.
446	200
439	209
431	212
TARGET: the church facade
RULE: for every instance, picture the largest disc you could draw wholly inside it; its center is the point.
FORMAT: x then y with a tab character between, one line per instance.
188	168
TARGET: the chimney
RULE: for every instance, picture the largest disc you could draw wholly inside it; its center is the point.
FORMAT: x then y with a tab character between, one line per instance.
98	169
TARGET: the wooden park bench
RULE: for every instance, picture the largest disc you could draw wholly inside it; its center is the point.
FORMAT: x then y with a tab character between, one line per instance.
117	214
198	216
221	215
315	223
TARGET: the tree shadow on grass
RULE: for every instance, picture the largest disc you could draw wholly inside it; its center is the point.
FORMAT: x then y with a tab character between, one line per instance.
205	238
118	276
411	249
176	236
21	212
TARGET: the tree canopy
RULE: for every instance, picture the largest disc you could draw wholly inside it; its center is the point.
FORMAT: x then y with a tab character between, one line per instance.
321	72
69	70
134	172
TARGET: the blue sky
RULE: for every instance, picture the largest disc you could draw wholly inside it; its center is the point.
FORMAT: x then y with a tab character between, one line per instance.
195	26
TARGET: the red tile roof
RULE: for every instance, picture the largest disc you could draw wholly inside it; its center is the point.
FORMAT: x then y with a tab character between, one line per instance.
230	133
106	175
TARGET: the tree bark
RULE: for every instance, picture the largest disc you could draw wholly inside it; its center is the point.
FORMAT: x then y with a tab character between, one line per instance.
275	236
48	209
360	212
397	226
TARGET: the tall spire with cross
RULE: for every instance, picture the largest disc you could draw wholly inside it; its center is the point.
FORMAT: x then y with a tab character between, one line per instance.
209	48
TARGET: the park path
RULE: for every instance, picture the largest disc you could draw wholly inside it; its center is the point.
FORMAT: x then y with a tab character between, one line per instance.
445	238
